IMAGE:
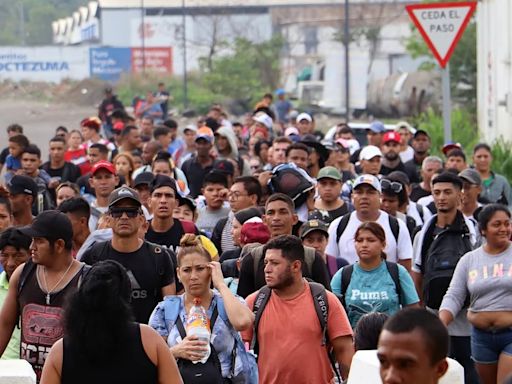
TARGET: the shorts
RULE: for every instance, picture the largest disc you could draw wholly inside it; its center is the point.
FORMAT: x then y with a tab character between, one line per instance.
487	345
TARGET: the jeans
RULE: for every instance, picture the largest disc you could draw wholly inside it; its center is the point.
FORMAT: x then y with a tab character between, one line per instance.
460	350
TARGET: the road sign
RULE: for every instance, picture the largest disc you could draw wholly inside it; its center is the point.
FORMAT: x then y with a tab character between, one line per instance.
442	25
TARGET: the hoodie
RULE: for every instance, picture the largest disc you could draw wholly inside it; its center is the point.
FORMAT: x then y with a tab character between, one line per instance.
229	134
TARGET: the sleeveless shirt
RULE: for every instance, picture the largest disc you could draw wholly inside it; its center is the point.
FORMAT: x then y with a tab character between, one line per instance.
41	324
129	364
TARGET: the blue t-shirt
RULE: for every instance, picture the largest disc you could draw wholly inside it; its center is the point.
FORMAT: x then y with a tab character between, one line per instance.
374	291
12	163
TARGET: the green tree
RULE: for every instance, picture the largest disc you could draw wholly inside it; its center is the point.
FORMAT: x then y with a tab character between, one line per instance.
252	69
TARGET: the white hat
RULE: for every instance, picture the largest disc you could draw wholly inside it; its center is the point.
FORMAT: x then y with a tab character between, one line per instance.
190	127
263	118
291	131
369	152
406	125
304	116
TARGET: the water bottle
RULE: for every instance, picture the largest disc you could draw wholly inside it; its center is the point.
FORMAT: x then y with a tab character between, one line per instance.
198	325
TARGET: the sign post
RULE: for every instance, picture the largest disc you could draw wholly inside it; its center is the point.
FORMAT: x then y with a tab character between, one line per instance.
441	25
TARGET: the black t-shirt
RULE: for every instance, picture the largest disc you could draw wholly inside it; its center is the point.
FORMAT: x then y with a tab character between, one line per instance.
68	172
170	238
149	270
413	171
384	171
417	193
195	175
3	155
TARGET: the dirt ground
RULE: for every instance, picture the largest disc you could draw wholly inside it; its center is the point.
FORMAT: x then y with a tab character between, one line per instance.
39	119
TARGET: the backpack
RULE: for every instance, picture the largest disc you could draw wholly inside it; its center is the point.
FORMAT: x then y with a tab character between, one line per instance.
244	369
346	276
342	225
256	250
440	257
321	304
289	180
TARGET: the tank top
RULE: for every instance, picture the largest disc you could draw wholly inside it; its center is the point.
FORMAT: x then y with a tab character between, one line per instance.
129	364
41	324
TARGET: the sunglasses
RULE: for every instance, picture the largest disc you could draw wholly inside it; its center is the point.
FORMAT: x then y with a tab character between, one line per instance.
391	185
131	212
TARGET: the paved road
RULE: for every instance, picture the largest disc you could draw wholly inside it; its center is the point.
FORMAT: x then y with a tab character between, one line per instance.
40	119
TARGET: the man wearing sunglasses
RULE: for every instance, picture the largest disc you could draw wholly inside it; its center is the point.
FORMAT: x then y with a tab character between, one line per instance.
149	266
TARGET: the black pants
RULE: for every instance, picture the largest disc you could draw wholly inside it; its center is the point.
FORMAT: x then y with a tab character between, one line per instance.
460	350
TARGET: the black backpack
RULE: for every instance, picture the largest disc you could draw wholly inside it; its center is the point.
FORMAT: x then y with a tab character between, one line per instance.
208	373
287	179
322	311
440	257
342	225
346	276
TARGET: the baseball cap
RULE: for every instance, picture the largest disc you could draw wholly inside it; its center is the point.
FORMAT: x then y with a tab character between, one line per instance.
377	127
406	125
391	136
449	146
254	230
263	118
103	164
248	213
304	116
280	91
313	225
143	178
471	176
343	143
329	172
370	180
291	131
205	133
118	126
52	225
123	193
15	238
224	166
22	184
190	127
91	122
369	152
164	181
421	132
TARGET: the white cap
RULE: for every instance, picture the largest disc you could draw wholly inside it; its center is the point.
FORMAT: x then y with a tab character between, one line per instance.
406	125
291	131
190	127
263	118
369	152
304	116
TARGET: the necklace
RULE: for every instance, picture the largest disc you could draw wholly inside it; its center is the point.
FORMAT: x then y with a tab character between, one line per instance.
49	291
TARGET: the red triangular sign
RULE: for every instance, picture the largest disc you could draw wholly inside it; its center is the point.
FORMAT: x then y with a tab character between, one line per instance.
442	25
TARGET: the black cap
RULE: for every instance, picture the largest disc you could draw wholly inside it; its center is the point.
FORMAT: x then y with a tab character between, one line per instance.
143	178
313	225
165	181
123	193
52	225
247	213
22	184
421	132
224	166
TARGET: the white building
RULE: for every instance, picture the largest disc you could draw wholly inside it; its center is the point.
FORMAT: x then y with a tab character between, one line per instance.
494	42
313	52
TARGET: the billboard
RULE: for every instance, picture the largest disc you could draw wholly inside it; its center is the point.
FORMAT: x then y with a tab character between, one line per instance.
157	60
109	63
50	64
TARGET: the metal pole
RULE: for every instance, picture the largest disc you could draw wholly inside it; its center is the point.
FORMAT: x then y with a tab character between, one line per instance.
22	23
143	36
185	77
447	108
346	38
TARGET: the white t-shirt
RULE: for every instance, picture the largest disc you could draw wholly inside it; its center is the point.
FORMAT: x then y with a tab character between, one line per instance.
407	155
345	248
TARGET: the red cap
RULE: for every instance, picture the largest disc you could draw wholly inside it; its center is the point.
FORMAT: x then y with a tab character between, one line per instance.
448	147
391	136
118	126
254	233
91	122
102	164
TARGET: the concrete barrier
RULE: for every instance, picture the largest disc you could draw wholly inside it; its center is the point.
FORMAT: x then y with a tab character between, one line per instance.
365	369
16	372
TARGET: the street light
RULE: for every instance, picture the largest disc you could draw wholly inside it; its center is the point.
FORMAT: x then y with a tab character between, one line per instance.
346	38
185	77
143	36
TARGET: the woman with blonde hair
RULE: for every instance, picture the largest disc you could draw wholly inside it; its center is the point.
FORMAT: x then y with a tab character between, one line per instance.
226	312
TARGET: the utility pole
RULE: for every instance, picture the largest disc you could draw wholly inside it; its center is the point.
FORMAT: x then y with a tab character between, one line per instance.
346	38
22	23
143	36
185	77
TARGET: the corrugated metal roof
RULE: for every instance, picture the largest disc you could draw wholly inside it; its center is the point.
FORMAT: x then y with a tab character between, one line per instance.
225	3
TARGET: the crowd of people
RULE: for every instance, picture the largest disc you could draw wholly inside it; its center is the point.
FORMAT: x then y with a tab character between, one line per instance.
302	243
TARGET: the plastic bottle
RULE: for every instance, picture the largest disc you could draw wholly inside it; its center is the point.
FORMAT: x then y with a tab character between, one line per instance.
198	325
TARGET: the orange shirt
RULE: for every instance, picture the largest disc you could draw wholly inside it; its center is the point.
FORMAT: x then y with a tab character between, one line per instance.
290	339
